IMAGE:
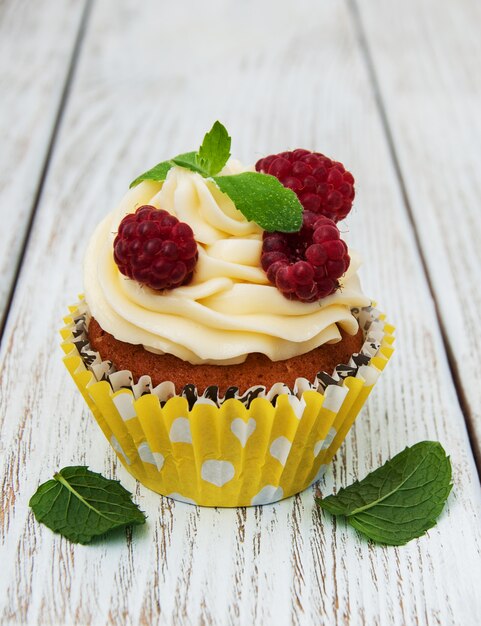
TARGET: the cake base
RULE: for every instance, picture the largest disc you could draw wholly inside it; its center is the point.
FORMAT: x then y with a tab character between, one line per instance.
257	369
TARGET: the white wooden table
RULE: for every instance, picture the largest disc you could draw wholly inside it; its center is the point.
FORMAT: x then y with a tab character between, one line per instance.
95	91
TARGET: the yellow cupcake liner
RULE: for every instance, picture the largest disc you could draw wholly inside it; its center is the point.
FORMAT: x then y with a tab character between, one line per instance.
263	447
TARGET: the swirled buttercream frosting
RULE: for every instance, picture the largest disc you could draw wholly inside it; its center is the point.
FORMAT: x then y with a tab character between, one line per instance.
230	309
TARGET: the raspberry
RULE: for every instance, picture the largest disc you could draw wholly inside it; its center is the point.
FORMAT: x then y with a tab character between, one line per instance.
306	265
322	185
155	249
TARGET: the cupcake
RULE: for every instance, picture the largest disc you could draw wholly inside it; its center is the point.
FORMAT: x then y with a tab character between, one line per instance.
223	342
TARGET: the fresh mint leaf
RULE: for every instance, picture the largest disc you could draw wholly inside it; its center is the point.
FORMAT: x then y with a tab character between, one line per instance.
261	198
158	172
190	161
215	150
80	504
213	154
400	500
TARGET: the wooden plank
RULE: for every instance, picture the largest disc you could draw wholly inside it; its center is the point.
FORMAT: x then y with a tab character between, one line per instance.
36	44
432	95
301	82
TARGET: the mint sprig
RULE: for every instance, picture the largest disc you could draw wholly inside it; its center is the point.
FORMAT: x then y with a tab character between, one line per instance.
211	157
80	504
190	161
215	150
259	197
263	199
400	500
159	172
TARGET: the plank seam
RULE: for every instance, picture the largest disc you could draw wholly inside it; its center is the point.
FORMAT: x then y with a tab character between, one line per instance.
69	77
381	107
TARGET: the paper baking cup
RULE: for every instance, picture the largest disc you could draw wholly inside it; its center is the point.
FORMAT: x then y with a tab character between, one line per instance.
233	451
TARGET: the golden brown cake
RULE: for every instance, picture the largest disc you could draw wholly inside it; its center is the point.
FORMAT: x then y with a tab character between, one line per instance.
257	369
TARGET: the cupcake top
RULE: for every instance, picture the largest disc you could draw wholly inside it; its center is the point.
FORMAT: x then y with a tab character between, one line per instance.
244	289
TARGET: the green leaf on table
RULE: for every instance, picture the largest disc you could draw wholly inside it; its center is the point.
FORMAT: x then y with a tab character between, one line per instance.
400	500
261	198
80	504
215	150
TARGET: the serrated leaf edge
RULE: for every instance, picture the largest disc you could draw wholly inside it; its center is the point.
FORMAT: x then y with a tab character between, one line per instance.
361	527
86	537
204	160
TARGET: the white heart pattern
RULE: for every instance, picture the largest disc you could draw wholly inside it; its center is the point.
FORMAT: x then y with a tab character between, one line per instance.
124	403
180	498
297	405
321	472
159	460
243	430
217	472
180	431
118	448
268	494
334	397
280	449
154	458
322	444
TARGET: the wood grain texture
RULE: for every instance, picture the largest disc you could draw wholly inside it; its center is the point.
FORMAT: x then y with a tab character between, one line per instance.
149	83
36	44
432	96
